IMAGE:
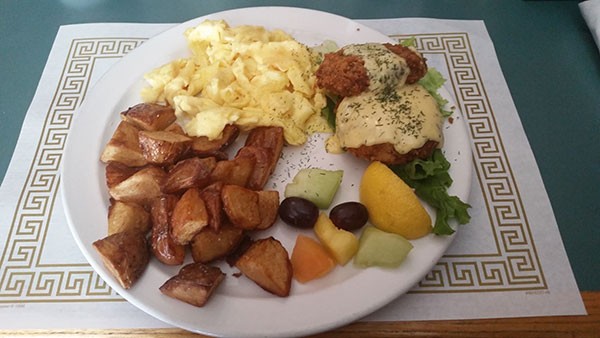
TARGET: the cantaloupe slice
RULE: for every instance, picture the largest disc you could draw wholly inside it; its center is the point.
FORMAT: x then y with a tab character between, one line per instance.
310	260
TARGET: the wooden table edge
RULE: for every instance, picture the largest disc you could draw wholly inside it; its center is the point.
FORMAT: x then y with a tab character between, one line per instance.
547	326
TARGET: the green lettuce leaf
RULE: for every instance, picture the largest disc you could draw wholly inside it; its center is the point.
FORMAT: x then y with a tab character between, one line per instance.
410	42
430	180
328	112
432	82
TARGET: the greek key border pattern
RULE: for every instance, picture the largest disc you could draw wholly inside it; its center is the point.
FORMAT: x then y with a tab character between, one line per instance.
23	276
514	265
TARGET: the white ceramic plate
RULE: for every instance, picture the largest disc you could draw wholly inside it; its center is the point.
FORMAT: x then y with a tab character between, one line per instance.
239	307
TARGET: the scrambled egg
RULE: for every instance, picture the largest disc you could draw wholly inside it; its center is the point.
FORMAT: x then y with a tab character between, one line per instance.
243	75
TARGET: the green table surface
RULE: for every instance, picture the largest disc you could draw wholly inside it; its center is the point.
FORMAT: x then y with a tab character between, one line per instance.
545	49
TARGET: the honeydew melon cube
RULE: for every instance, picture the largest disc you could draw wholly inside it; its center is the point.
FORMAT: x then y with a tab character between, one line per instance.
379	248
316	185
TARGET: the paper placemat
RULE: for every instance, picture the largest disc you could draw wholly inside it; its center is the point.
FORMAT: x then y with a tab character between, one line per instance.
508	262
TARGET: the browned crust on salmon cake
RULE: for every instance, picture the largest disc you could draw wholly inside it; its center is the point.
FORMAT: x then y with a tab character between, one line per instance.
342	75
386	153
416	63
346	75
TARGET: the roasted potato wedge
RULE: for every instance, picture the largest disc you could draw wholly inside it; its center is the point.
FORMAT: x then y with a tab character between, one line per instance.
270	138
124	147
189	217
141	187
236	171
175	128
240	249
192	172
163	147
267	263
211	195
268	207
186	192
163	246
241	206
116	173
149	116
203	147
261	171
124	216
194	284
125	255
209	244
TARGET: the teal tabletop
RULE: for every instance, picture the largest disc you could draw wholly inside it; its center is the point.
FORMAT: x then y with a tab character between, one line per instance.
545	49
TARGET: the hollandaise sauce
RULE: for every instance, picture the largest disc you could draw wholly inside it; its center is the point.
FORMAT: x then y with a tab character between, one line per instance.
405	116
385	68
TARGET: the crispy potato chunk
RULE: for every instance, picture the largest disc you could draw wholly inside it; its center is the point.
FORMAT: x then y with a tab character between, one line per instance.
123	216
211	195
270	138
163	147
267	263
189	217
187	193
236	171
141	187
175	128
194	284
240	249
203	147
149	116
268	207
192	172
125	255
209	244
163	246
116	173
124	147
241	206
261	171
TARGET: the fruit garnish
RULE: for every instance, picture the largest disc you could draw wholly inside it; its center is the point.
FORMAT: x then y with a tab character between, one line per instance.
380	248
310	260
341	244
316	185
392	204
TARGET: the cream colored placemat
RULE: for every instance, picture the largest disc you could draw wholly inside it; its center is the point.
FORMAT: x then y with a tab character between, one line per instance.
509	261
